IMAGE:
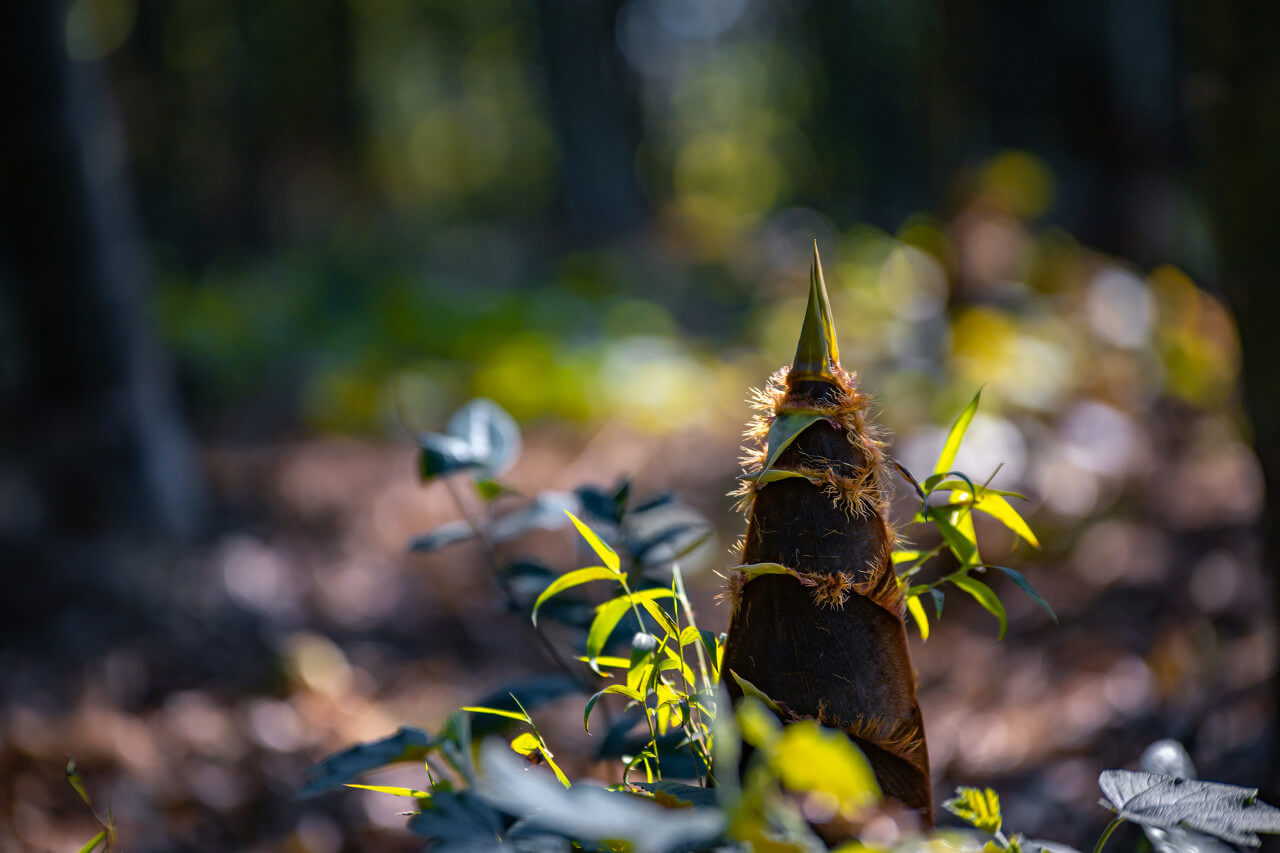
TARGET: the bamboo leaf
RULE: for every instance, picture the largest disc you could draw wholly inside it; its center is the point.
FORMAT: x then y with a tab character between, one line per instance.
963	545
92	843
917	613
984	596
952	445
497	712
1018	578
783	431
606	554
526	743
754	570
572	579
1000	509
393	790
607	617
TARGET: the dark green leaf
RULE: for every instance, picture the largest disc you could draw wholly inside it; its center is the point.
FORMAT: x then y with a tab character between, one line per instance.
681	793
450	817
545	512
445	534
959	541
1228	812
938	599
490	432
589	813
444	454
407	744
1018	578
784	430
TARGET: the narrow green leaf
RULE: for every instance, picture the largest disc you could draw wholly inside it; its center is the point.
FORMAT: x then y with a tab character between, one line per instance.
952	446
1000	509
555	768
938	599
783	431
749	689
771	475
92	843
393	790
961	544
497	712
619	689
1018	578
967	485
752	570
73	777
917	613
984	596
607	617
606	554
904	556
574	578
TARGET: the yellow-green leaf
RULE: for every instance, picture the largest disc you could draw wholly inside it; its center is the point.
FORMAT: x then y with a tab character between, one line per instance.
980	808
393	790
952	445
574	578
984	596
917	613
1000	509
810	758
526	743
497	712
606	554
92	843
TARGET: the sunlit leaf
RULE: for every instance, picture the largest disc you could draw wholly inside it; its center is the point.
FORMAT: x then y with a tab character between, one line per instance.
956	434
1228	812
904	556
917	613
526	743
497	712
1018	578
572	579
966	486
784	430
998	508
810	758
607	617
394	791
615	689
757	723
981	808
984	596
772	475
92	843
606	554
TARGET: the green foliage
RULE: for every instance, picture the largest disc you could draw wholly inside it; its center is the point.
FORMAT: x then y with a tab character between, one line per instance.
953	522
106	836
659	675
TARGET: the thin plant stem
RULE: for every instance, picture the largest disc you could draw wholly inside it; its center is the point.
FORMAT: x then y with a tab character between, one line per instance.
491	554
1106	833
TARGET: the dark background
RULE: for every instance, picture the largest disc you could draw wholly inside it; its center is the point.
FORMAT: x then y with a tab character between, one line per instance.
247	248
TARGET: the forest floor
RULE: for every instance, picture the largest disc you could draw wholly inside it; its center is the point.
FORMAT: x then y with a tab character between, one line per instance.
302	625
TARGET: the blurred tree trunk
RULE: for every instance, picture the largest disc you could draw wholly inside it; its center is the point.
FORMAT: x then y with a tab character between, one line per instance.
97	439
596	116
1234	103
